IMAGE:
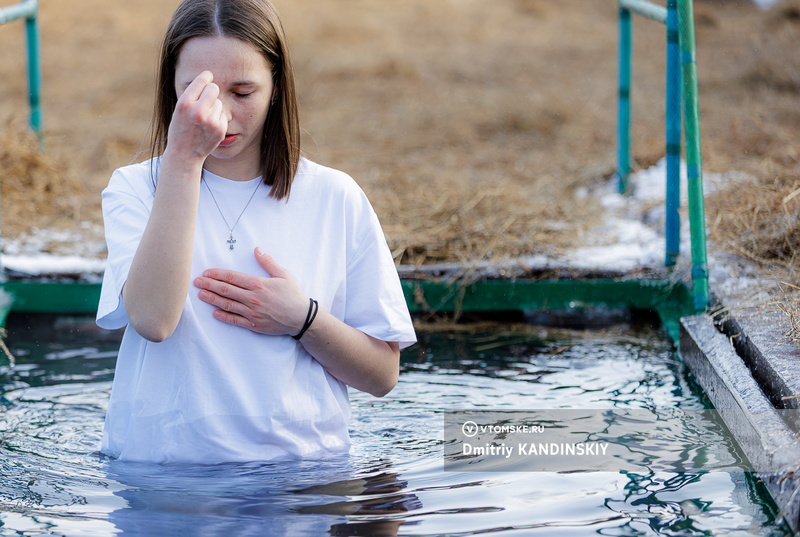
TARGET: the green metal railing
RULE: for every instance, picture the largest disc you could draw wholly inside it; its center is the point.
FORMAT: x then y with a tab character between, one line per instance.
681	91
670	300
28	10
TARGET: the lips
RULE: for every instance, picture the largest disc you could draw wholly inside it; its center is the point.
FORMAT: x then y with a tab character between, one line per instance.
228	140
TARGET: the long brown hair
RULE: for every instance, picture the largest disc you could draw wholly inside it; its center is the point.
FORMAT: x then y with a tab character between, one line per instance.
255	22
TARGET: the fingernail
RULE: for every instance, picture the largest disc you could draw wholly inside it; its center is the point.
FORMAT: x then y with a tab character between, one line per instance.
259	251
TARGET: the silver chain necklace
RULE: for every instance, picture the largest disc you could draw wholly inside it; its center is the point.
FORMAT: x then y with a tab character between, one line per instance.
231	241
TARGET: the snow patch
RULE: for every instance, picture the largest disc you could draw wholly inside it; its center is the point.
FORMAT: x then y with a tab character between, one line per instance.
765	4
49	264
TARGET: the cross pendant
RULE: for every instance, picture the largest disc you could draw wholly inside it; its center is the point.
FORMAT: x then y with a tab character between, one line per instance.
231	241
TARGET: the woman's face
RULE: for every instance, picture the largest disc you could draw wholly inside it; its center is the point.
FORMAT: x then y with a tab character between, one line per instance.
244	78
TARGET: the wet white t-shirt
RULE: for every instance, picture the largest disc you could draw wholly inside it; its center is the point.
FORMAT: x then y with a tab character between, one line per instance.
214	392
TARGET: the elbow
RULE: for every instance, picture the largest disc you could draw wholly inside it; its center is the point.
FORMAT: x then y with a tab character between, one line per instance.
155	337
382	391
153	323
382	388
387	380
155	332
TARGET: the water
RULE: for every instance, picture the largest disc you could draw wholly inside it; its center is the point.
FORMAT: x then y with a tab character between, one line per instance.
393	482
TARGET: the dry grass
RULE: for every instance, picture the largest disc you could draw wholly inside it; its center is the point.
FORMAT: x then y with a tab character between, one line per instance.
37	189
442	113
468	124
760	220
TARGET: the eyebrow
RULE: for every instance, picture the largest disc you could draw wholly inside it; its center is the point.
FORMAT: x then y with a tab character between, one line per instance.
238	84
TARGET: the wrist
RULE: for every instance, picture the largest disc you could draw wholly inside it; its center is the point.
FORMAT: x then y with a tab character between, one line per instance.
313	309
189	164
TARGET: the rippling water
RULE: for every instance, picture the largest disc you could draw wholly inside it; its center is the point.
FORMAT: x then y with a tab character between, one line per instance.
393	483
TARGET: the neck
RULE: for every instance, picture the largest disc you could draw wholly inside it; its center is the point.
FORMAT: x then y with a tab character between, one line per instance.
232	169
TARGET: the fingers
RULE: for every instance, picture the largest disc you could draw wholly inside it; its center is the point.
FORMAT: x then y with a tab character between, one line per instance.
200	95
209	101
237	280
226	289
234	305
231	318
248	281
198	86
270	305
268	263
243	306
199	122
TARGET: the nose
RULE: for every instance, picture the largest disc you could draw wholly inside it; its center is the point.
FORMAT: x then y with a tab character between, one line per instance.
226	107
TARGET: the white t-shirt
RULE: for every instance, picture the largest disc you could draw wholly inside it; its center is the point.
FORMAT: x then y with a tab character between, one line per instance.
214	392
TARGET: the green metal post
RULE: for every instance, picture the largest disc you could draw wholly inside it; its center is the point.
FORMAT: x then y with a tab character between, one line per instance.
694	164
624	111
34	71
28	10
673	137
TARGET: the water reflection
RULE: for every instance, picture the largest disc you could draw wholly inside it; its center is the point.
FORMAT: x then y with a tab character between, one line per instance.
671	504
287	498
381	494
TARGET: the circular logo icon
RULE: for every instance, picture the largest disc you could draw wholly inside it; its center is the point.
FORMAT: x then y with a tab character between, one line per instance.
469	428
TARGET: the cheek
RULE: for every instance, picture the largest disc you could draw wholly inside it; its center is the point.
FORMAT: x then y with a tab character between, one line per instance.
258	114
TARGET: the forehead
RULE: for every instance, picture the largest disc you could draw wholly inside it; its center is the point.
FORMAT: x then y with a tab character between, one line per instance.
230	60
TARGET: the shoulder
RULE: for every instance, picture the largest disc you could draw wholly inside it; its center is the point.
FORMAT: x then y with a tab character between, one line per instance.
333	195
139	178
318	180
147	168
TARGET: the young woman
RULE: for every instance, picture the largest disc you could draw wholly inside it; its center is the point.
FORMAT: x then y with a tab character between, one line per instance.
255	285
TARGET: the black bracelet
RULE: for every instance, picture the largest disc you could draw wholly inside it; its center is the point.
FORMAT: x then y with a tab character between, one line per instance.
313	308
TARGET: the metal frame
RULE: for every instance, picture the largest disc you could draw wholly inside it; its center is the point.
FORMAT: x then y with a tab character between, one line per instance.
670	299
28	10
681	90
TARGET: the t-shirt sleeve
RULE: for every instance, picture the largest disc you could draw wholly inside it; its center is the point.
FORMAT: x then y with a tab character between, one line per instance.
127	201
375	302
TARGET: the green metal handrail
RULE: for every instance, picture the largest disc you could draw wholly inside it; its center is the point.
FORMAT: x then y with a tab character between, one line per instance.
646	9
694	163
681	89
28	10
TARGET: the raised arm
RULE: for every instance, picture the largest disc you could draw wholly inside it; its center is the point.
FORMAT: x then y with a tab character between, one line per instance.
160	274
277	306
